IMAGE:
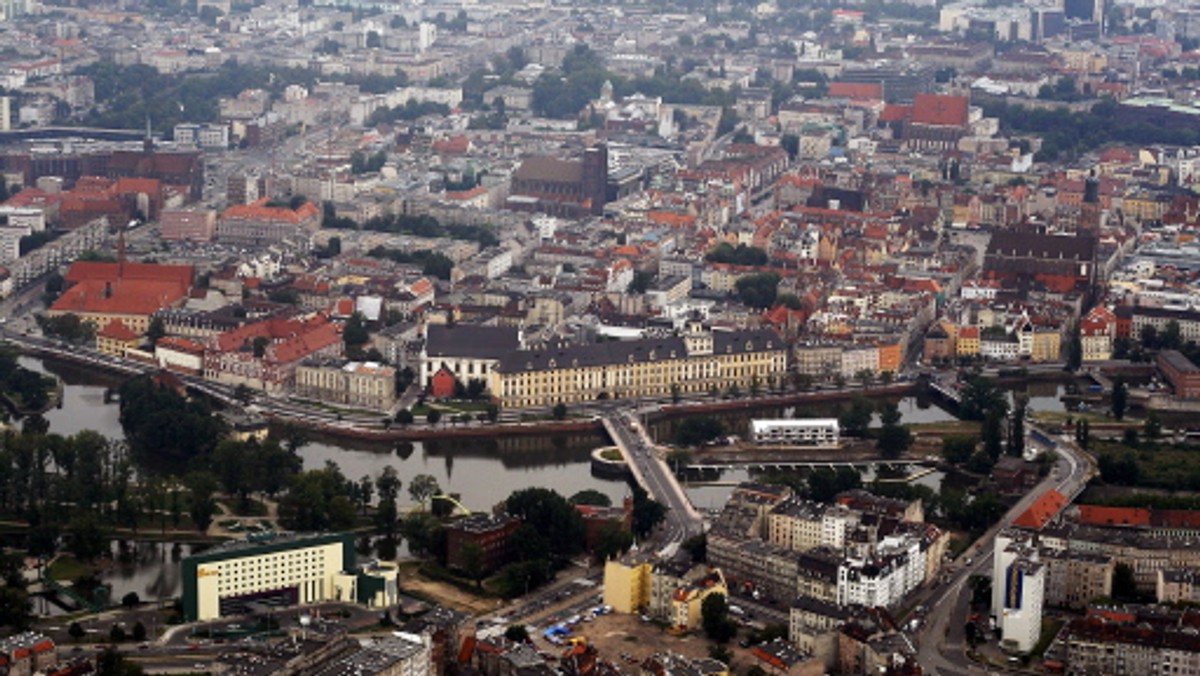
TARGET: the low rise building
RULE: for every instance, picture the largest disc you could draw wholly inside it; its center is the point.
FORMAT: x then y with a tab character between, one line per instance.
1183	375
490	534
798	432
367	385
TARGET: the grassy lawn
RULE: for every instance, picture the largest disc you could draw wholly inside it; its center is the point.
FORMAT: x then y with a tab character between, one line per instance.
1158	465
1050	629
1061	417
952	427
67	568
420	410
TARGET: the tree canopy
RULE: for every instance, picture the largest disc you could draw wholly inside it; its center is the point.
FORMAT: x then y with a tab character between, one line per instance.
161	423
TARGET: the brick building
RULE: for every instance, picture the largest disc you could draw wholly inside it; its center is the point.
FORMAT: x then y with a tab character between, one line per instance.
490	532
1181	373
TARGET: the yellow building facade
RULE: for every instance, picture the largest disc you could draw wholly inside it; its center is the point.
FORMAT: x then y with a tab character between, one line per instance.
627	584
695	363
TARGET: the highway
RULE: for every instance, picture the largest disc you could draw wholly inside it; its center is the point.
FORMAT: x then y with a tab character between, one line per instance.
942	638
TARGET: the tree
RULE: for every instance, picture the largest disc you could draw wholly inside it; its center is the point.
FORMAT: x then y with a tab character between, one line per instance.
422	487
647	512
161	424
1120	400
714	618
130	600
139	632
471	560
591	497
758	290
517	633
855	420
1124	584
957	450
550	515
697	430
614	540
404	417
355	334
824	484
1152	428
1016	427
156	331
675	396
433	416
116	634
993	434
559	412
76	631
112	663
387	515
318	500
1075	349
201	487
894	440
981	395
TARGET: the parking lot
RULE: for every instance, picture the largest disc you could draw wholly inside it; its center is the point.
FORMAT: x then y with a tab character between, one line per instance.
627	638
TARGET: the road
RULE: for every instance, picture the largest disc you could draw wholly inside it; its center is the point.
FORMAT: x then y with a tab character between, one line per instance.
942	638
682	520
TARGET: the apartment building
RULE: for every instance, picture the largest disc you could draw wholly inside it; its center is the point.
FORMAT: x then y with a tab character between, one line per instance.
368	385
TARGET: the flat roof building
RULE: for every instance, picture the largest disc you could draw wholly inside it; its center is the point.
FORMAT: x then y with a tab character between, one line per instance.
281	570
802	432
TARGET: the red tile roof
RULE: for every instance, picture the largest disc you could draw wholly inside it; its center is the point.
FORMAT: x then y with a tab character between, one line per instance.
116	330
110	272
895	113
940	110
122	297
259	211
1098	515
1042	510
180	345
856	90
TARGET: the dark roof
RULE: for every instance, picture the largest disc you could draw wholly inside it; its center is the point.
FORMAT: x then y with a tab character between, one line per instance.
1035	245
479	342
543	168
634	351
1177	361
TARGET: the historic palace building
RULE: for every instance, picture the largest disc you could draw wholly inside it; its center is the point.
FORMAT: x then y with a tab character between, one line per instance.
697	362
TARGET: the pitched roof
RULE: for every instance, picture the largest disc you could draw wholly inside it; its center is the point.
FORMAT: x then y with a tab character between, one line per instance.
110	272
856	90
1035	245
259	211
940	110
121	297
634	351
1042	510
465	340
543	168
895	113
116	330
1098	515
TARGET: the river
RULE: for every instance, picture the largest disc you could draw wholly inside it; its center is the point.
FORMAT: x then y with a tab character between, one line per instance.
482	471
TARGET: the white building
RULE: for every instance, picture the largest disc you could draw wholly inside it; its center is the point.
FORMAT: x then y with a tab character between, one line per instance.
874	583
288	569
799	432
208	136
1018	590
859	358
